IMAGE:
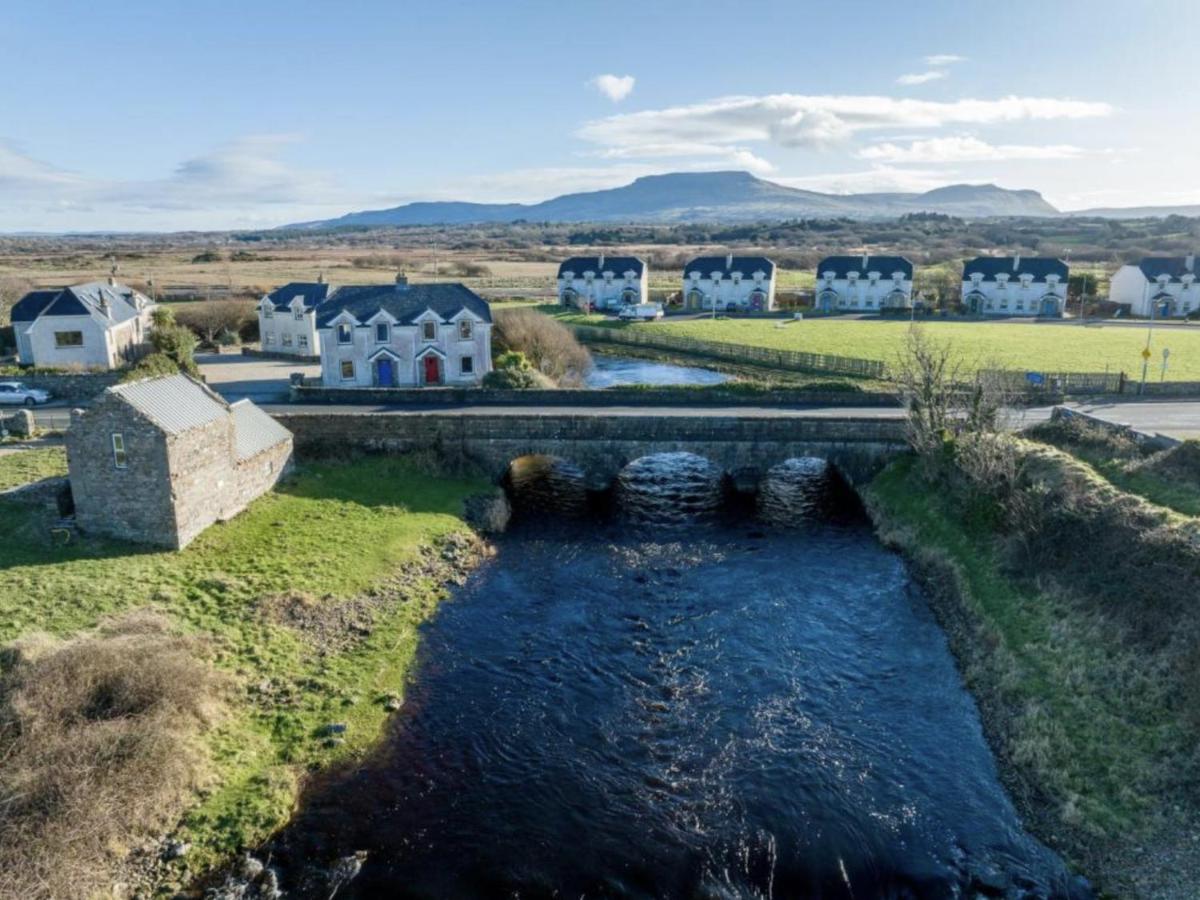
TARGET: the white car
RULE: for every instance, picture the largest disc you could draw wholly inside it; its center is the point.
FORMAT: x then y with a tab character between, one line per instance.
13	392
641	311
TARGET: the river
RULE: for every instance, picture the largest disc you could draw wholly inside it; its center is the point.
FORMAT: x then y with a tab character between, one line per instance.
615	371
634	707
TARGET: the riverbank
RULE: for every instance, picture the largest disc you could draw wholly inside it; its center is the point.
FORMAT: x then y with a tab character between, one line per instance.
306	606
1083	680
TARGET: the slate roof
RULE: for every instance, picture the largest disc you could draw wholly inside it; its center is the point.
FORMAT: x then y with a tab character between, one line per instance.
78	300
618	265
1175	267
175	403
747	265
255	430
405	304
886	266
313	292
1037	266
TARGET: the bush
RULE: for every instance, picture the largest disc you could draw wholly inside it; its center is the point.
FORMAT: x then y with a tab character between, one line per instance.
208	256
547	344
513	371
99	741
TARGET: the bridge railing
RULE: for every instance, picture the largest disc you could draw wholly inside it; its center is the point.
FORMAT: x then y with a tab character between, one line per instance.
791	360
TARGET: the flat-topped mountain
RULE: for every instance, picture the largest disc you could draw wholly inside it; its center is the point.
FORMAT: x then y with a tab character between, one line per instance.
706	196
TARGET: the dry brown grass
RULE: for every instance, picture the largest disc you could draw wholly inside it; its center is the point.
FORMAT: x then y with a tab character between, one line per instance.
98	751
548	344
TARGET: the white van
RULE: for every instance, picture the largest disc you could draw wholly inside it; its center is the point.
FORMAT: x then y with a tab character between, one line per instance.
642	311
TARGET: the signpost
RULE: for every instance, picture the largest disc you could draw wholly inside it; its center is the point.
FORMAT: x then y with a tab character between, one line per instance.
1145	365
1166	356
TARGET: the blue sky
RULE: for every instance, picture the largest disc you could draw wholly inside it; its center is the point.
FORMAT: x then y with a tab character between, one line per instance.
173	115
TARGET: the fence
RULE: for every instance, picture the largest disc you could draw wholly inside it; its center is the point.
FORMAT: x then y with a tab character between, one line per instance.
792	360
1058	384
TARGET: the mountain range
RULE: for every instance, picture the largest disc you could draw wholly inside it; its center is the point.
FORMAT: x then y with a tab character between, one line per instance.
705	197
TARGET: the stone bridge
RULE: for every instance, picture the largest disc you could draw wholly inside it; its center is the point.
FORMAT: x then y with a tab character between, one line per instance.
602	443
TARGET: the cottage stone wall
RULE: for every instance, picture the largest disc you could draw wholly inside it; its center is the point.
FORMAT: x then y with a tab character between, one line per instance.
202	476
133	503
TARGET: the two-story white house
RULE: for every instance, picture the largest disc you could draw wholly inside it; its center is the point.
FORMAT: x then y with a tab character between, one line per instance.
402	335
605	282
864	283
98	325
729	283
1015	286
287	318
1160	287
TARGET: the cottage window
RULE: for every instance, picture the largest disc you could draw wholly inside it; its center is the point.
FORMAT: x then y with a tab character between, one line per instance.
68	339
118	445
344	334
429	331
467	365
298	314
303	340
268	312
382	333
347	370
465	329
287	340
268	339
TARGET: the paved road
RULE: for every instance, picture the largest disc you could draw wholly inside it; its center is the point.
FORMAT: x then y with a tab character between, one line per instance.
235	377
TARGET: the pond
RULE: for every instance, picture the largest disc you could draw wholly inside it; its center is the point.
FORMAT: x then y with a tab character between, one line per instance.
614	371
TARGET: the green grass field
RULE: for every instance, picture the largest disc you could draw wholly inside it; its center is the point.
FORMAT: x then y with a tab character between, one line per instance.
23	466
1039	347
333	532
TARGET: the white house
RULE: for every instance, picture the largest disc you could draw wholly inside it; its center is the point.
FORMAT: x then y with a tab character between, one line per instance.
1015	286
606	282
729	283
1159	286
402	335
287	320
98	325
864	283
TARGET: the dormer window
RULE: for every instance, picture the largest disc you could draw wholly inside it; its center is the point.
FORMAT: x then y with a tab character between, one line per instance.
758	277
345	334
608	276
568	275
853	276
976	277
465	329
873	277
383	332
429	331
268	312
298	313
588	276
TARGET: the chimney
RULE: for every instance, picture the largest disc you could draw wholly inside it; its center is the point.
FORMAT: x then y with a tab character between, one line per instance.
401	282
866	259
112	282
321	278
729	261
1190	262
1016	262
600	264
104	306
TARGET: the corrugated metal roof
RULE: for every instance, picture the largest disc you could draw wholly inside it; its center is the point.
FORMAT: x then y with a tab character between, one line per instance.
256	431
175	403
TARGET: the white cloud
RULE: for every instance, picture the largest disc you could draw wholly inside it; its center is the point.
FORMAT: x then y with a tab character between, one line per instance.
944	59
615	87
804	121
965	149
878	179
921	77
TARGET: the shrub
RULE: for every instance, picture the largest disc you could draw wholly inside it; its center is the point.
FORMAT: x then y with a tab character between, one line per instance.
546	343
99	741
208	256
513	371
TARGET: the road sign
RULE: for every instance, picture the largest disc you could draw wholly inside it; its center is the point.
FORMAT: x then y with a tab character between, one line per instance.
1146	353
1035	377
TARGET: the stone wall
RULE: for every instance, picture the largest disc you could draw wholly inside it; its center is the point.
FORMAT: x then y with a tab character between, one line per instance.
617	396
258	353
602	445
202	477
74	387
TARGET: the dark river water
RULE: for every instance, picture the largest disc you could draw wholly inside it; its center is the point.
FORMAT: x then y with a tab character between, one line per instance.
719	710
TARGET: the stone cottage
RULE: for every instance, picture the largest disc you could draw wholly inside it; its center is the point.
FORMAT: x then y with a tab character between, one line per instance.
159	460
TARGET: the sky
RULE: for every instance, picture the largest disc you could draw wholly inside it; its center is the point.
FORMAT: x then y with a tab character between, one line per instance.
170	115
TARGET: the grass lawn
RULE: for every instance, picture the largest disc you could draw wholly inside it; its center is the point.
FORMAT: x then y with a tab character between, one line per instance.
23	466
335	531
1091	722
1039	347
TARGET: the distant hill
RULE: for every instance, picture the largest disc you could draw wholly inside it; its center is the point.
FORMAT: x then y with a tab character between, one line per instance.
1137	212
703	197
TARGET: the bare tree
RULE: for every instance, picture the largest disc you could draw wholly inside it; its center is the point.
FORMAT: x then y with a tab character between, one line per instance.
928	376
212	317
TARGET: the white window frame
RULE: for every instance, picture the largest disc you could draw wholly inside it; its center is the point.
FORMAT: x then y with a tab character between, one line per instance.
120	455
302	340
466	330
60	345
342	369
387	333
466	365
348	332
286	339
426	327
268	339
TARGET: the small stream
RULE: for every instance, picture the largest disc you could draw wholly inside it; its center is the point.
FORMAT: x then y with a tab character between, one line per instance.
671	700
616	371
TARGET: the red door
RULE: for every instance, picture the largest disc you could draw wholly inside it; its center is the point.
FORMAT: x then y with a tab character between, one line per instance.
432	370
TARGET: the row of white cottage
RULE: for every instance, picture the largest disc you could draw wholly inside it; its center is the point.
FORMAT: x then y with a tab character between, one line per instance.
992	285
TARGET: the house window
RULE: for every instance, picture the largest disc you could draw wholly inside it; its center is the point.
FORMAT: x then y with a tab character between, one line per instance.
298	315
268	339
344	334
302	340
268	312
382	333
467	365
347	370
287	340
429	331
118	445
465	329
68	339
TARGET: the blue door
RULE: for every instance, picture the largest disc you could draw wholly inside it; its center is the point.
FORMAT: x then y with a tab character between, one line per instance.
386	377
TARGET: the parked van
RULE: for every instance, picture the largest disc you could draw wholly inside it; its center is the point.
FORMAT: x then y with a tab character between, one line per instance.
642	311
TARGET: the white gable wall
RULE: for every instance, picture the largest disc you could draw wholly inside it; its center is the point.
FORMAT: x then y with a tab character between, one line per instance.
607	289
406	347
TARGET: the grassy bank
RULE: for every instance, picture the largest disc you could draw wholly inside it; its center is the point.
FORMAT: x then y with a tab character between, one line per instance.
1087	710
309	602
23	466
